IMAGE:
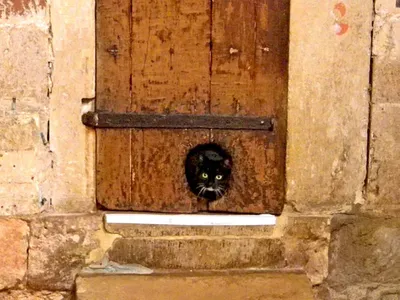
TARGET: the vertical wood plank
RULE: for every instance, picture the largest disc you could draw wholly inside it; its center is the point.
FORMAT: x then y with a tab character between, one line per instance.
249	56
113	94
272	54
170	74
233	57
249	77
171	56
272	62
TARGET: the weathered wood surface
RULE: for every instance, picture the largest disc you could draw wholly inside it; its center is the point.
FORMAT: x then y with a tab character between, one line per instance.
257	177
113	82
158	172
170	74
272	62
170	51
233	58
226	57
249	77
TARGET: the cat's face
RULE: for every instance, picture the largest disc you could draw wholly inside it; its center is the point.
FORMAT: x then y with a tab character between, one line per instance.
208	169
212	175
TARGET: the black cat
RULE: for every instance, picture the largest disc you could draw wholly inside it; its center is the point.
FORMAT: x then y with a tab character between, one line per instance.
208	169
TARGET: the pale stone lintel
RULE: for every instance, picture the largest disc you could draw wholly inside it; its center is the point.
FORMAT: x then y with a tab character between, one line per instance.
191	220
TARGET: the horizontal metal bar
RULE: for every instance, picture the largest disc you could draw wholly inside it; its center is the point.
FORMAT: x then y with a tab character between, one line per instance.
179	121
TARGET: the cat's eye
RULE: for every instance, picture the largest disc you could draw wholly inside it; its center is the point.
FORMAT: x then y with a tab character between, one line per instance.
218	177
204	175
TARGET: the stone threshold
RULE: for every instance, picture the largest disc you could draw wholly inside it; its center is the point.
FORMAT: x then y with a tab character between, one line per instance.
190	219
236	284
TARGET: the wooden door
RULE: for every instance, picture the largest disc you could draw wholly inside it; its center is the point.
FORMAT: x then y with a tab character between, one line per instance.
198	57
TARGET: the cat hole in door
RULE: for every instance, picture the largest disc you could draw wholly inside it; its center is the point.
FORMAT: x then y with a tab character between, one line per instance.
208	170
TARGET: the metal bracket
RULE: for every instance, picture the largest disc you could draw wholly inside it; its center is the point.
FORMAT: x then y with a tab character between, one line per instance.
100	119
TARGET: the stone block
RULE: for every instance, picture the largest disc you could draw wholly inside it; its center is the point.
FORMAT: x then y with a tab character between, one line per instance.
386	50
359	292
386	6
384	292
32	295
199	252
18	198
384	169
328	104
17	167
306	241
59	248
143	230
14	236
351	292
196	286
18	133
74	78
24	53
386	82
364	251
390	297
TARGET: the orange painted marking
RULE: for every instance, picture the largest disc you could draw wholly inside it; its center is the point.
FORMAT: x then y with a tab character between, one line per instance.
341	28
341	8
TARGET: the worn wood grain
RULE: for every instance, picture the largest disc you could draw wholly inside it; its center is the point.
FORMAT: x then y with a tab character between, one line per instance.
257	184
249	56
170	74
158	172
171	56
113	82
249	77
272	54
233	57
226	57
113	171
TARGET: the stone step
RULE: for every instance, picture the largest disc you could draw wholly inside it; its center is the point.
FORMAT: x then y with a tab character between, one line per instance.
200	252
147	230
232	285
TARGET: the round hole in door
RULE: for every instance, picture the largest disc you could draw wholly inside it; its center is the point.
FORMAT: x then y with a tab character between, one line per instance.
208	170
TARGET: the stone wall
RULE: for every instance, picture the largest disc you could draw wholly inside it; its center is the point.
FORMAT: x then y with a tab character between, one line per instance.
340	223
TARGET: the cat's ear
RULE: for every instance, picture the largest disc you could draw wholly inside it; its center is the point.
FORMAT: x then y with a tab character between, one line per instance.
228	163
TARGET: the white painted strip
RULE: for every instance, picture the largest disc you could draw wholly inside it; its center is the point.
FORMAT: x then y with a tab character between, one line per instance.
191	220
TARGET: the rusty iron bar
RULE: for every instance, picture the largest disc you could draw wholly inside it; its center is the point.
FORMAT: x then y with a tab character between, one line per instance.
100	119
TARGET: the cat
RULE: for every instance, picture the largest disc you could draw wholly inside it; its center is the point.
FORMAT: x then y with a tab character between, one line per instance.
208	169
